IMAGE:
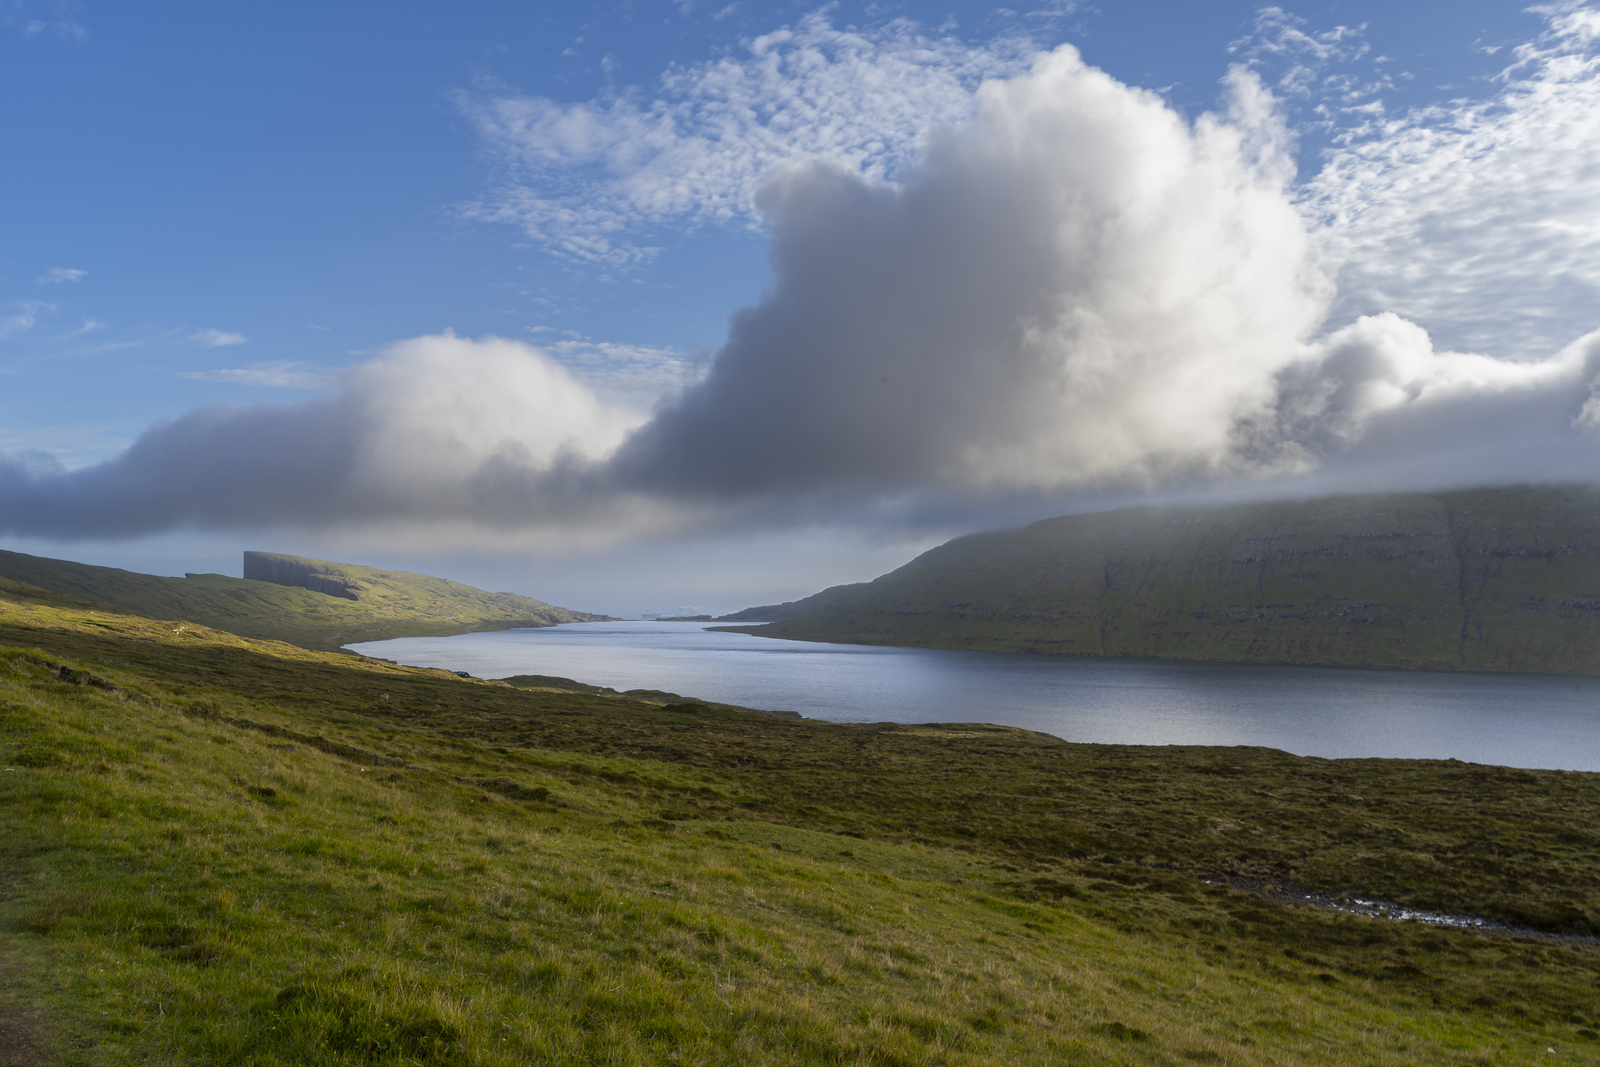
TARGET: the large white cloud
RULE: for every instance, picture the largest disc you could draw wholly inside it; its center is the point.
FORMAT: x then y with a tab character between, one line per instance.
1078	287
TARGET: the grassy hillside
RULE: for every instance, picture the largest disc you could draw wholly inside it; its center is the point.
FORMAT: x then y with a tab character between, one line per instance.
220	851
392	603
1492	579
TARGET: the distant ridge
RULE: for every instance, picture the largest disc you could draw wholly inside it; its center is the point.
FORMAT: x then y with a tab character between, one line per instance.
1488	579
312	603
768	612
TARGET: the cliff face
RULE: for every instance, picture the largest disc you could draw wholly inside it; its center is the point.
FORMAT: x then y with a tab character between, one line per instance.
1492	579
300	574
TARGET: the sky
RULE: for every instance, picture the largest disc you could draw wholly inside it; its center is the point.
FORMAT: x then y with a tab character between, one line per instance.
660	305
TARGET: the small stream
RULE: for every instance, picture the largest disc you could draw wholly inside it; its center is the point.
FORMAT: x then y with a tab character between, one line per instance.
1351	904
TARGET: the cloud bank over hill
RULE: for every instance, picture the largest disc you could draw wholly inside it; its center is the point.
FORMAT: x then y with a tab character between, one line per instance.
406	437
1055	286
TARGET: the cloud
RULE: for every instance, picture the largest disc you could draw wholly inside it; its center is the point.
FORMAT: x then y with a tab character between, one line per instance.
89	326
1075	294
1479	219
18	322
53	449
414	436
275	375
631	377
1303	56
582	178
217	338
1077	288
62	17
62	276
1376	406
24	319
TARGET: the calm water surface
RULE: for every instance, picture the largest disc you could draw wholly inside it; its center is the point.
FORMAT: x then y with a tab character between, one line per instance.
1517	720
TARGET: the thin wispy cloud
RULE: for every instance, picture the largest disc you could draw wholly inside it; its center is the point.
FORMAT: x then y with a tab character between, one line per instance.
16	323
584	179
1056	9
89	326
1303	56
217	338
632	377
56	18
271	375
23	319
95	349
54	337
1479	219
62	276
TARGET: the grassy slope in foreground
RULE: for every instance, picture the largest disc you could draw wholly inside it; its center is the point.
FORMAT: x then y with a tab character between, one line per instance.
392	604
217	851
1491	579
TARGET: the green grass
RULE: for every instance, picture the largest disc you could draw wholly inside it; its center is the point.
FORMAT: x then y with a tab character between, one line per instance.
220	851
1487	579
392	604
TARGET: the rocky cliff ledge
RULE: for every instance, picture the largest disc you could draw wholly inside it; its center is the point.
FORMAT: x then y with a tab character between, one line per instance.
299	573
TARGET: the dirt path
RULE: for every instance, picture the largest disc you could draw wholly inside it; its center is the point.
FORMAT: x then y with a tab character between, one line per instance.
24	1038
27	1038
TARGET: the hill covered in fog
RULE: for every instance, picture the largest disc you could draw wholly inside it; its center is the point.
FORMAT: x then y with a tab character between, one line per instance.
1487	579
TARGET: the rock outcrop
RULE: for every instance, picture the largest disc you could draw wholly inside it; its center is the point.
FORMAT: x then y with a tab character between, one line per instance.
299	573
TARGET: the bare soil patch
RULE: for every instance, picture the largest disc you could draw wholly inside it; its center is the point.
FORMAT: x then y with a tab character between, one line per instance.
24	1037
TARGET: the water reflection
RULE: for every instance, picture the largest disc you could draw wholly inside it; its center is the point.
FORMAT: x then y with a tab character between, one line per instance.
1515	720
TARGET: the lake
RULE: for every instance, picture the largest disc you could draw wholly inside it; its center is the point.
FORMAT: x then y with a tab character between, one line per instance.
1517	720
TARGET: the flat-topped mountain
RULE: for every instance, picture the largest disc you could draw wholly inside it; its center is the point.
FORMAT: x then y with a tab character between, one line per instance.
312	603
1488	579
313	574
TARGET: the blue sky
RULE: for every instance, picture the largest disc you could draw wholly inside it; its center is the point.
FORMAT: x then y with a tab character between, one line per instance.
215	205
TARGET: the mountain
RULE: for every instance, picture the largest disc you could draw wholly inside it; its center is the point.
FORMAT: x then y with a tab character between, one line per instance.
312	603
1488	579
771	612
